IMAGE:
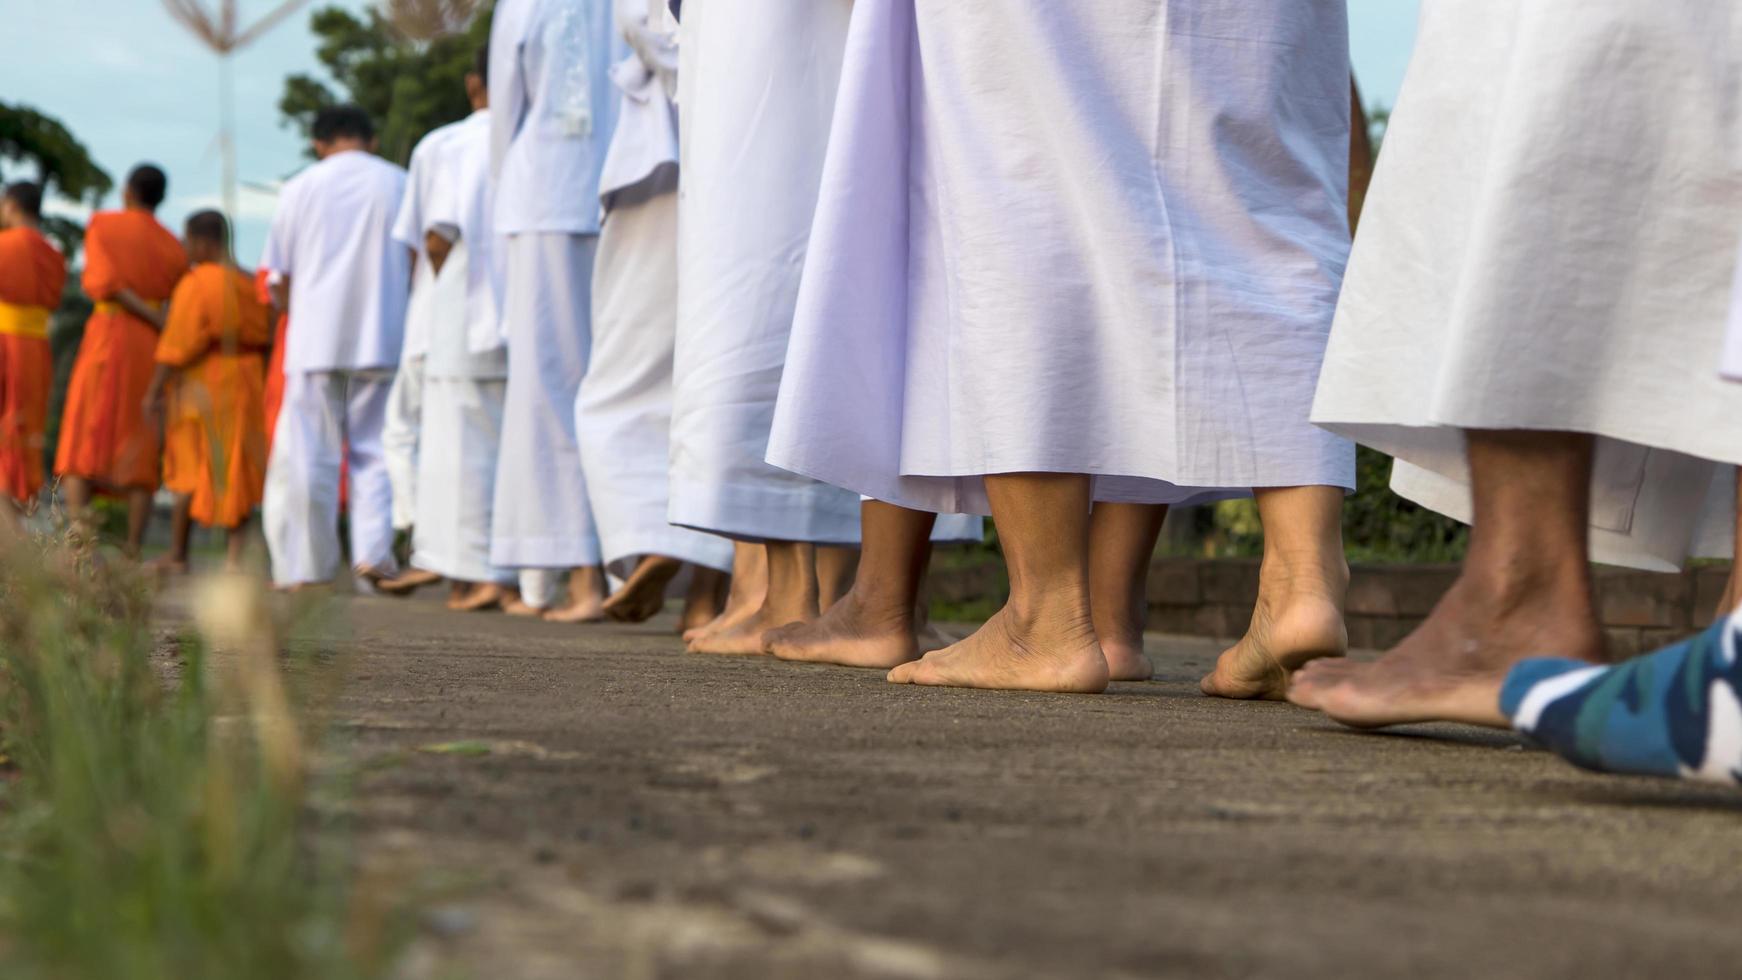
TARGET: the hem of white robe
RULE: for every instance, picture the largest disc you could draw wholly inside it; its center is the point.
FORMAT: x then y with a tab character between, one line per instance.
461	569
695	547
965	493
1419	477
818	513
559	553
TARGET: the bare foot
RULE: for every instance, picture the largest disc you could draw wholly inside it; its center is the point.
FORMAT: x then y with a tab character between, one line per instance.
740	637
482	597
851	634
587	610
1126	661
1451	668
1054	654
407	582
376	576
1284	636
643	596
515	605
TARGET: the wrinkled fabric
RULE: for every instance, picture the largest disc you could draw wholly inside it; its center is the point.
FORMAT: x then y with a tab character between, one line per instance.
1733	341
757	90
1550	242
553	108
424	181
329	429
333	237
216	338
541	517
32	274
469	331
1048	246
623	411
462	427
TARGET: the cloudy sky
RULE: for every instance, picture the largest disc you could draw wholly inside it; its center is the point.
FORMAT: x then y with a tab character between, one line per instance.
133	86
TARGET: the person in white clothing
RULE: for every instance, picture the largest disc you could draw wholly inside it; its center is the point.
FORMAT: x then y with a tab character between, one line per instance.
1532	312
335	266
623	412
465	370
400	436
1076	263
553	110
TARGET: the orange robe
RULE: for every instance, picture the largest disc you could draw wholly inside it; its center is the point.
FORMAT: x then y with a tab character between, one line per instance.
105	436
215	447
32	275
275	366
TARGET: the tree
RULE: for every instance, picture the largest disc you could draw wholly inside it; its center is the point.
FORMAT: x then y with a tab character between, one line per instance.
406	64
61	163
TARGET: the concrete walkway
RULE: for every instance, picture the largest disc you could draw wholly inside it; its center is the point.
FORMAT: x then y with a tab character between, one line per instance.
607	806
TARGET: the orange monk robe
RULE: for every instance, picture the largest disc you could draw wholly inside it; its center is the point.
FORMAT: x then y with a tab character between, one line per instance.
216	339
275	366
32	275
105	435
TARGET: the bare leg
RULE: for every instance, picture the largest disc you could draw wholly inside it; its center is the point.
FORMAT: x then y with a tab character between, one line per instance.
874	624
836	568
1525	591
791	598
138	519
1044	637
181	529
1122	541
586	598
1301	587
706	598
643	596
748	590
236	547
1732	600
76	495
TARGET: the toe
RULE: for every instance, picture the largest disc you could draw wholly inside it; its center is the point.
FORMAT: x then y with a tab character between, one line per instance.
904	673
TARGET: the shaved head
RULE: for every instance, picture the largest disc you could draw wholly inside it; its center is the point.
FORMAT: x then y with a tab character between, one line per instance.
148	185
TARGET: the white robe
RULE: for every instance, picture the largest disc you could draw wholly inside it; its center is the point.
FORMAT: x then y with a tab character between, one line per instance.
464	387
1099	237
332	236
1550	243
1733	342
399	438
552	115
623	411
758	87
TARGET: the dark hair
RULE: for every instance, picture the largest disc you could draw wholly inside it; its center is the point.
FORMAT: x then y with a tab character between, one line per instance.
148	184
338	122
27	196
209	226
481	65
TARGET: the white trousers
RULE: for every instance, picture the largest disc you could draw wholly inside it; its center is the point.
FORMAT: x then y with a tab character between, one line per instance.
623	413
399	439
462	437
541	517
325	415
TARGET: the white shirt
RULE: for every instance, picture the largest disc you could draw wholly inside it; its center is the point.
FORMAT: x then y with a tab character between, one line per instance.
553	110
422	185
462	210
333	237
646	135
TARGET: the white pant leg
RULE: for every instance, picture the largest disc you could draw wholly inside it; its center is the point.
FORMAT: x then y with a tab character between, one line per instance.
462	433
301	507
541	518
371	500
400	438
623	413
539	586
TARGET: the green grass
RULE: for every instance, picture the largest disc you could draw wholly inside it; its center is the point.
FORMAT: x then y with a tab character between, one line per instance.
159	818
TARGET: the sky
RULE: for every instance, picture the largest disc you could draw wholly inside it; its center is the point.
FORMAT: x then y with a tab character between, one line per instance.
138	87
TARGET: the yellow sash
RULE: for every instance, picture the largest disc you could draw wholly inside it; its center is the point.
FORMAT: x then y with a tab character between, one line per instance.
122	310
24	321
